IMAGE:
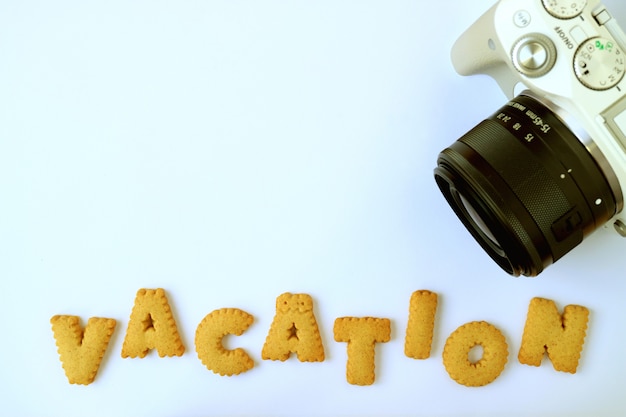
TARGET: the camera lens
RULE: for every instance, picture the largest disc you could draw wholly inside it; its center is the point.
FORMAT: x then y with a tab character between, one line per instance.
525	186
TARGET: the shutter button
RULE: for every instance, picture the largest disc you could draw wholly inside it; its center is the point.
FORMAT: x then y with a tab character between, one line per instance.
534	55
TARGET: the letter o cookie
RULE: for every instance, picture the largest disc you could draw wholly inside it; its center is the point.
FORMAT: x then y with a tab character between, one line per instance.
457	348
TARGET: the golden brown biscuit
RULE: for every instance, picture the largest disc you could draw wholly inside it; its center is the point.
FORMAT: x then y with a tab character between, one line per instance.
294	330
361	334
81	351
457	348
209	347
152	326
562	337
421	325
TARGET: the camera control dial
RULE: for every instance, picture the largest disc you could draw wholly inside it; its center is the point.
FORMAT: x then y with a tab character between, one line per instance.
564	9
599	64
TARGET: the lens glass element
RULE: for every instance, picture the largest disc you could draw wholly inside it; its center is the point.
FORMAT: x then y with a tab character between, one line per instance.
479	224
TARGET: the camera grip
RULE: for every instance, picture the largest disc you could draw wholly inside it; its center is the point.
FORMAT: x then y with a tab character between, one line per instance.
479	51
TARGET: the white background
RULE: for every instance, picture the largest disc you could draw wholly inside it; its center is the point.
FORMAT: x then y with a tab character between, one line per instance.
230	151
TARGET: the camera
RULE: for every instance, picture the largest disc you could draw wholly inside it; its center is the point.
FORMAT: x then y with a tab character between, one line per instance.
532	181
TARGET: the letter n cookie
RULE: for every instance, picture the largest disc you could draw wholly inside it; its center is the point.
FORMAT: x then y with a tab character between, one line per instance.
561	337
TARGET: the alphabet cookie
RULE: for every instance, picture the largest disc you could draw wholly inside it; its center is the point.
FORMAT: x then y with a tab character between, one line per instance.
152	326
561	337
457	348
81	350
294	330
421	325
361	334
209	347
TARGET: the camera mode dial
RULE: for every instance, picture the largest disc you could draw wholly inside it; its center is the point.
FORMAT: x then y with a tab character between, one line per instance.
564	9
534	55
599	64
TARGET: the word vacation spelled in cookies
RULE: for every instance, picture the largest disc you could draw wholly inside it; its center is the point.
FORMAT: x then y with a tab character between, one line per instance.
294	331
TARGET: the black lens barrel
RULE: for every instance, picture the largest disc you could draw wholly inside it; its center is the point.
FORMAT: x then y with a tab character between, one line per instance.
534	187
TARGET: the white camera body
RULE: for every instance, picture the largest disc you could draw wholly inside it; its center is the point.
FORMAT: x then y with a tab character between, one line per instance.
571	56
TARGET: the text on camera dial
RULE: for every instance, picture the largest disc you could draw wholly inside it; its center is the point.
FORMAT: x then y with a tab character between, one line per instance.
599	64
564	9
